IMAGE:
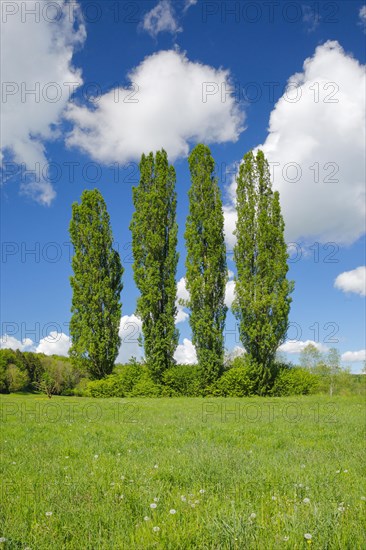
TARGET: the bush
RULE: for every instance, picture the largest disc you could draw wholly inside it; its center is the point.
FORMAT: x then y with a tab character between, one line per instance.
145	387
295	381
236	382
182	380
130	380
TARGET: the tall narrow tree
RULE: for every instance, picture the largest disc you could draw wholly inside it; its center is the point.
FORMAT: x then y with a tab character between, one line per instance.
96	285
154	244
206	270
262	291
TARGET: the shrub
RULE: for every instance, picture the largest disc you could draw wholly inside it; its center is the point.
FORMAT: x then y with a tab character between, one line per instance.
236	382
295	381
145	387
182	380
122	382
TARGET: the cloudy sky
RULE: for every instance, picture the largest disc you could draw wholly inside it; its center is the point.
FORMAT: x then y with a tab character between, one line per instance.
89	86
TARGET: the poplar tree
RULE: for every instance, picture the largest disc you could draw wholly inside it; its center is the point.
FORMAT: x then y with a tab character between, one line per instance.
206	269
96	286
262	291
154	243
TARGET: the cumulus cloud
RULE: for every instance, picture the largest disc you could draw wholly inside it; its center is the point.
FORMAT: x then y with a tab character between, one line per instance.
352	281
229	293
161	18
164	110
315	148
299	345
354	356
186	353
56	343
236	351
37	55
182	294
130	329
10	342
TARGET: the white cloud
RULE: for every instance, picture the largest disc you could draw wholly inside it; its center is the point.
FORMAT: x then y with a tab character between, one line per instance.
167	112
130	329
10	342
362	16
352	281
56	343
237	351
185	353
37	55
182	294
229	293
312	135
161	18
354	356
299	345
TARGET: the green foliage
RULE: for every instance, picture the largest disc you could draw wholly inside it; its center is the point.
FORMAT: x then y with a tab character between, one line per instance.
145	387
262	291
16	370
132	380
7	357
96	285
17	379
295	381
206	270
59	376
236	382
310	357
182	380
154	242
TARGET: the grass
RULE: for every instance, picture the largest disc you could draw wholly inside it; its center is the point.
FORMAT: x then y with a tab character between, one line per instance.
98	465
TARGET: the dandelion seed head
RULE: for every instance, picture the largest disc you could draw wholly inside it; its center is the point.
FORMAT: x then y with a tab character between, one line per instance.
156	529
308	536
153	505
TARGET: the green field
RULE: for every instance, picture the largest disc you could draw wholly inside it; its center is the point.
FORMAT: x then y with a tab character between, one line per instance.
255	473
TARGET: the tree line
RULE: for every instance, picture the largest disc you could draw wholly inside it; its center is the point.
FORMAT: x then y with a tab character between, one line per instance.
262	290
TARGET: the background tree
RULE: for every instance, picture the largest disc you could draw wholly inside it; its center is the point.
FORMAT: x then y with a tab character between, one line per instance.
311	357
262	291
96	285
334	364
206	269
154	242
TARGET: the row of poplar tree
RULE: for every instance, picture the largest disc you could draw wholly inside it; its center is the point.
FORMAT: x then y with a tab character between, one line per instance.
262	290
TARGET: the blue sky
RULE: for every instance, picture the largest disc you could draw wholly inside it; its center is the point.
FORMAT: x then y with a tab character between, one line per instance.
287	76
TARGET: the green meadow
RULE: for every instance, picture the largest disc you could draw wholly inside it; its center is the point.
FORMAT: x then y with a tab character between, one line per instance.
182	473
